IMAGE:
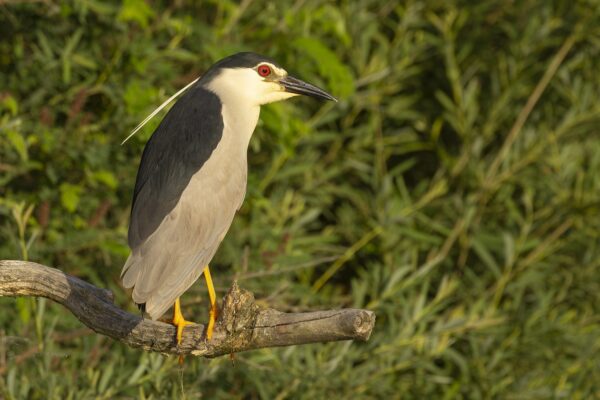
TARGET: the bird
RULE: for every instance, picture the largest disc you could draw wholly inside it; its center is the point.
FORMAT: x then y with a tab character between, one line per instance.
192	180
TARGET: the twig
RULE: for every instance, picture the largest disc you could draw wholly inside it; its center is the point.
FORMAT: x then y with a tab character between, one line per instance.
242	324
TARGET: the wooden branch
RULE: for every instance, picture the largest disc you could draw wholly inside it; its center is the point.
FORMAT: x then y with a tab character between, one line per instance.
242	324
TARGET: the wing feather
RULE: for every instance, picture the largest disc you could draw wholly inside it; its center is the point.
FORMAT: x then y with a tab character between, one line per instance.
190	184
182	143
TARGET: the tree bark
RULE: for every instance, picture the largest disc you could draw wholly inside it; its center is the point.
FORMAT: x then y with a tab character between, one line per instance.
242	324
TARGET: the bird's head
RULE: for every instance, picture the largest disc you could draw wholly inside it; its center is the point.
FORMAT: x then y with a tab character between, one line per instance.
256	79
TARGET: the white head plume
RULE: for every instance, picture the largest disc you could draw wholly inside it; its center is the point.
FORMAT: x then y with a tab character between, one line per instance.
157	110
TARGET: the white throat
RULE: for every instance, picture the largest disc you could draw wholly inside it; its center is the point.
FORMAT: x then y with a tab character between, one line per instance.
242	91
240	114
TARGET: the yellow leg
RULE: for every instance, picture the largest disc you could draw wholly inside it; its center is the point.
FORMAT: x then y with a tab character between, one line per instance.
213	303
179	321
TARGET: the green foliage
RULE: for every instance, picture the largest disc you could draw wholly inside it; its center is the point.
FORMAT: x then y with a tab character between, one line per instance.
454	190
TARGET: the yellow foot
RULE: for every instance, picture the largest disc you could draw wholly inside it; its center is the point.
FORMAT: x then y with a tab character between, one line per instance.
179	323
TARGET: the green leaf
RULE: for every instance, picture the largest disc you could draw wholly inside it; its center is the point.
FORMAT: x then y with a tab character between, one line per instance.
10	103
84	61
18	142
136	11
339	76
115	247
138	97
24	307
69	196
106	177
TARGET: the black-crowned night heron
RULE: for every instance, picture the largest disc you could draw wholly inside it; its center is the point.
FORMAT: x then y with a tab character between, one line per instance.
192	180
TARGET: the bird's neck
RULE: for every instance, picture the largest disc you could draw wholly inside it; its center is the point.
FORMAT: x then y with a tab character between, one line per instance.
240	116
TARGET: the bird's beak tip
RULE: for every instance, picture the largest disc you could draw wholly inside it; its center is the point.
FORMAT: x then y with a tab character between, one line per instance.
297	86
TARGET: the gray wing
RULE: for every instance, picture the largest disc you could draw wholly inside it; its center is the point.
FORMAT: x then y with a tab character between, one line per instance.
184	202
174	256
178	148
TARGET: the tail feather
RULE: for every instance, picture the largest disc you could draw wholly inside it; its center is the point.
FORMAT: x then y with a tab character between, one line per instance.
130	272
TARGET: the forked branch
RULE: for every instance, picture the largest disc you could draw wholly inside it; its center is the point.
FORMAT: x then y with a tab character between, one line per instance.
242	324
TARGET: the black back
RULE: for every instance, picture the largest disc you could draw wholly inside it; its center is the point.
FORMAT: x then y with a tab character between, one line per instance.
178	148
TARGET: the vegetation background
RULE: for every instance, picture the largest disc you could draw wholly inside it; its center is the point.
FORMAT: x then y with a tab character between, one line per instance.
454	190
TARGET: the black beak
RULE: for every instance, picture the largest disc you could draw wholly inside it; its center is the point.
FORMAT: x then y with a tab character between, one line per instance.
297	86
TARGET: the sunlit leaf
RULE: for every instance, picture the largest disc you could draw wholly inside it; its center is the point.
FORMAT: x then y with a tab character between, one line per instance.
70	196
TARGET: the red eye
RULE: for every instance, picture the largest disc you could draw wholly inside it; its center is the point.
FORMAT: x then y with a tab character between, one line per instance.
264	70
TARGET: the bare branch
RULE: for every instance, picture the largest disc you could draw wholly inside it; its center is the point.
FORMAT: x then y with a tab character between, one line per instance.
242	324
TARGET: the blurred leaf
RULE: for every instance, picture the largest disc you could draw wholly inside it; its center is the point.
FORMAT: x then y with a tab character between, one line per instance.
24	308
10	103
16	139
138	96
84	61
107	178
70	195
135	11
329	65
